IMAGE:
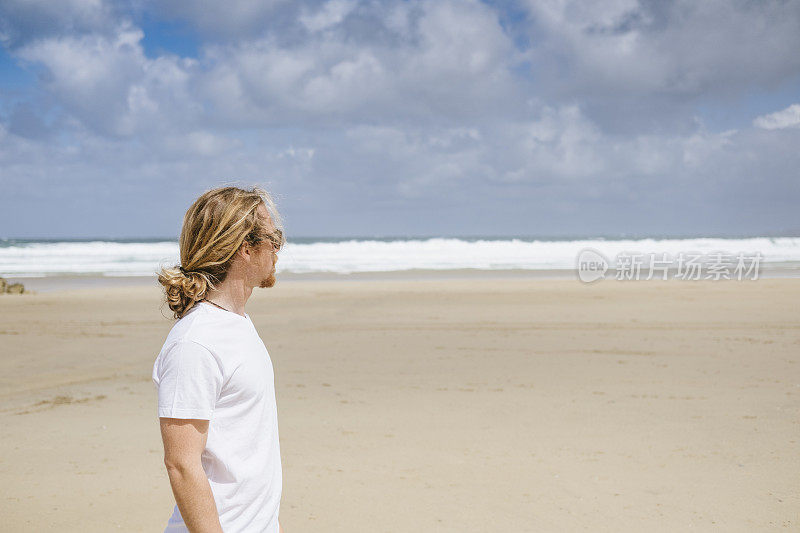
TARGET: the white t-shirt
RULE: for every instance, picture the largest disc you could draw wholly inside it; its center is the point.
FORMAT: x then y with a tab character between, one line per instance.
214	366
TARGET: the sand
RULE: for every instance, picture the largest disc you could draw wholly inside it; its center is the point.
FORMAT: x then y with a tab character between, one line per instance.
439	405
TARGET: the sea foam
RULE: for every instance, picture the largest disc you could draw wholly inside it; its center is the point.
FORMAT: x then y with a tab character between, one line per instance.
115	258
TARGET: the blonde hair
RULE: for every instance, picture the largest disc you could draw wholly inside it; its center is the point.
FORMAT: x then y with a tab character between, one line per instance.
214	228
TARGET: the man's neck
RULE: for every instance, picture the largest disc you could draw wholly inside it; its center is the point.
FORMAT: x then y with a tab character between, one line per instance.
232	294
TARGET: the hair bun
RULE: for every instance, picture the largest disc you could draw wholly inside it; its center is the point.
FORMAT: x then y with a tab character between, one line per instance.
183	288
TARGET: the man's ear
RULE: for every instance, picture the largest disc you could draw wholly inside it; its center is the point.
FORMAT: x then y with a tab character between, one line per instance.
245	251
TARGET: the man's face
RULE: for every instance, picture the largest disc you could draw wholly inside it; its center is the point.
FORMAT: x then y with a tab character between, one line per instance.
264	256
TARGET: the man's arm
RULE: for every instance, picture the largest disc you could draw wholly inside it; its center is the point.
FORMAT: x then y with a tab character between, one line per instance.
184	442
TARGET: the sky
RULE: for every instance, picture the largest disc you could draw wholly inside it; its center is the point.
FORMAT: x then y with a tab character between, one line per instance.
403	118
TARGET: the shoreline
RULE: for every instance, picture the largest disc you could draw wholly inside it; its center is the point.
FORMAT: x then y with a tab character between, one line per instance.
46	284
61	282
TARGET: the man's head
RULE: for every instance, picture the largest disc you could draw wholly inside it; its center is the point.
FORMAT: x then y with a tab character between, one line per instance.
227	231
255	260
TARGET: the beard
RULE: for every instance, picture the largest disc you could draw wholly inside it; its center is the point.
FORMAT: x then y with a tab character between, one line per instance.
269	281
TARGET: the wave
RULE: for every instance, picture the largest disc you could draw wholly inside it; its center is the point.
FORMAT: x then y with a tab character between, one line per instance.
125	258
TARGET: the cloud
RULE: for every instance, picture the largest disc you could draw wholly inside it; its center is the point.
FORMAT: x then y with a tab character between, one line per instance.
230	20
108	85
554	173
415	116
332	13
26	122
24	21
786	118
681	48
451	61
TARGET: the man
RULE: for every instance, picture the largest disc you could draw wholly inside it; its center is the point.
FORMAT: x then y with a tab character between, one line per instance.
216	395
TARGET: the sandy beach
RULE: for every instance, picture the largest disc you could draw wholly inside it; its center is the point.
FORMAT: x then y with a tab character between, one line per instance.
478	404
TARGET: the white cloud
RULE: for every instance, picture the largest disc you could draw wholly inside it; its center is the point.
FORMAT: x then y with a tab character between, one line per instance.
108	84
786	118
454	62
330	14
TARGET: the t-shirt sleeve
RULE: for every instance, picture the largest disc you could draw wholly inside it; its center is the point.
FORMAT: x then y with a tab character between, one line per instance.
189	381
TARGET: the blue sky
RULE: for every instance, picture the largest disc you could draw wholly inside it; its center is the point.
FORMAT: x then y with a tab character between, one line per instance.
402	118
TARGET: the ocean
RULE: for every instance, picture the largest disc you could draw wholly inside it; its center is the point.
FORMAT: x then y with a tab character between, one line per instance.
142	257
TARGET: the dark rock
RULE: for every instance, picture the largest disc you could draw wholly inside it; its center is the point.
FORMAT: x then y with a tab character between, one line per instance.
15	288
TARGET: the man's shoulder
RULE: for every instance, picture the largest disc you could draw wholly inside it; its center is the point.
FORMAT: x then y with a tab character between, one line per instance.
207	328
189	328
